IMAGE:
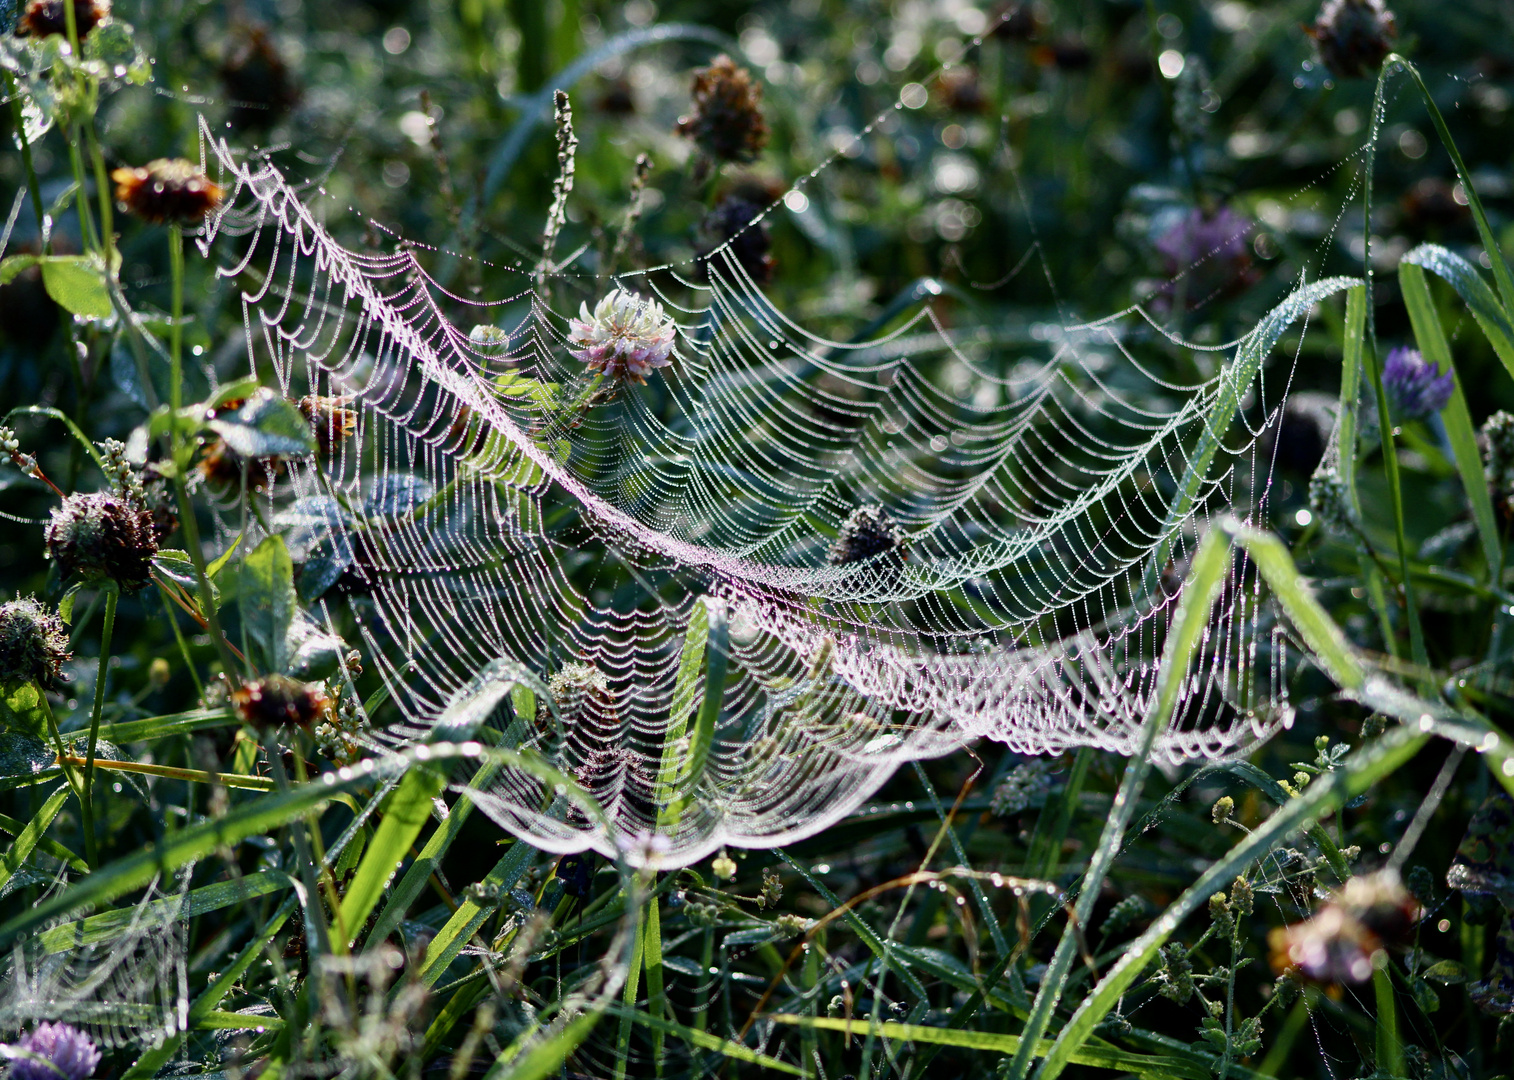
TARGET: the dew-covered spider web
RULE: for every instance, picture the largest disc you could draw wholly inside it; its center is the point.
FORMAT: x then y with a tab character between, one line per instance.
891	546
120	976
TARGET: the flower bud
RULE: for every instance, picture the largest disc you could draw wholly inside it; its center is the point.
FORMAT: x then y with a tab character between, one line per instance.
33	643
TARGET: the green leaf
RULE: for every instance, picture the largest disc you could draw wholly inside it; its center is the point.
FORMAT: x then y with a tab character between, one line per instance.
178	567
23	709
1491	316
1431	339
220	564
266	426
253	818
12	267
449	941
268	599
27	839
77	284
404	817
1447	971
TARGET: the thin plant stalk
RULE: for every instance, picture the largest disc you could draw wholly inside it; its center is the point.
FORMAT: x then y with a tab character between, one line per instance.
86	803
1373	371
187	520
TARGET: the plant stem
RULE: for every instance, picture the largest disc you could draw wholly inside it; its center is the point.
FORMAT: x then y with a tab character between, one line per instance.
91	849
187	521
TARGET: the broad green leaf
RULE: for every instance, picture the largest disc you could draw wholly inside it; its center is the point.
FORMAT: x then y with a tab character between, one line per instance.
77	284
22	709
266	426
268	599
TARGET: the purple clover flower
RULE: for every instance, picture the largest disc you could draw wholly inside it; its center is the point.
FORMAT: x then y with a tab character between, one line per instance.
53	1052
1415	387
1210	252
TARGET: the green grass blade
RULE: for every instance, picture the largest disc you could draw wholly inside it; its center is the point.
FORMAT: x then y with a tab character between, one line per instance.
1327	793
1491	316
108	925
1501	272
629	993
731	1051
469	916
408	810
421	869
651	953
1431	338
1351	389
1189	621
546	1057
1235	383
29	835
1327	644
991	1042
1390	1047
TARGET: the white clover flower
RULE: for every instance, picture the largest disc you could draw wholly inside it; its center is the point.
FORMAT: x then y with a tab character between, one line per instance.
627	336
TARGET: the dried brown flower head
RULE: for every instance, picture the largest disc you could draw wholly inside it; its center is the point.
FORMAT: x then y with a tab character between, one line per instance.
727	121
167	190
103	536
44	18
259	87
1340	942
1353	36
332	422
278	700
221	466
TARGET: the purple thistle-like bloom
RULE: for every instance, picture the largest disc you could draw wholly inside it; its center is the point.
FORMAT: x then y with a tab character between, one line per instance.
1415	387
1207	254
53	1052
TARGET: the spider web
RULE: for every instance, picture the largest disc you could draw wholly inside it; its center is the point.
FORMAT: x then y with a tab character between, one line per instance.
1048	499
125	983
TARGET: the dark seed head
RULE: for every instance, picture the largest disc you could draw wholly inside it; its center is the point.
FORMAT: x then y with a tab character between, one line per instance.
103	536
44	18
1353	36
258	85
733	222
867	533
33	643
279	701
167	190
727	121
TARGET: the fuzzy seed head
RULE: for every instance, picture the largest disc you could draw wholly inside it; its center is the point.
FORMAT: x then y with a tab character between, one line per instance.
867	533
33	643
278	701
103	536
45	18
332	422
1353	36
627	336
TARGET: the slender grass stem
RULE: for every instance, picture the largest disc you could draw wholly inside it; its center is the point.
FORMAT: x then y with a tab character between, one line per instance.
172	772
86	803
